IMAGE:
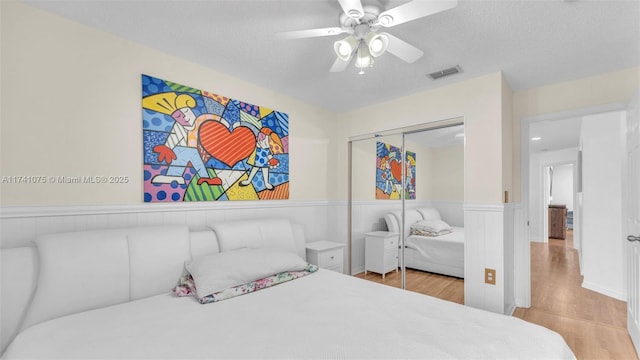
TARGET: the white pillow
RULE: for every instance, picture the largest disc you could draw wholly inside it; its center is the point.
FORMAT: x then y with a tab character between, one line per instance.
392	223
260	233
215	272
429	213
434	226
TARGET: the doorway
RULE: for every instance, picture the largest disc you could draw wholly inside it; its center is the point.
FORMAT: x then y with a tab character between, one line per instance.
533	207
558	297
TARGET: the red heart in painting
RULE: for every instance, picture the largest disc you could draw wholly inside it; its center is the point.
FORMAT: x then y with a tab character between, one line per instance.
396	169
227	146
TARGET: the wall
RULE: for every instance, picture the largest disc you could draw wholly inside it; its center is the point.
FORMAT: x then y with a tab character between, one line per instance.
507	142
446	173
605	89
478	100
603	242
71	107
562	189
481	102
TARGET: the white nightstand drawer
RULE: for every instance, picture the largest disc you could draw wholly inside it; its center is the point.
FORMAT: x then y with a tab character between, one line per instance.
391	259
330	259
336	268
327	255
391	244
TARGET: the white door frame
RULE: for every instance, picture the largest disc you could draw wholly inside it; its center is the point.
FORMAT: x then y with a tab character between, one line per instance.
522	246
631	223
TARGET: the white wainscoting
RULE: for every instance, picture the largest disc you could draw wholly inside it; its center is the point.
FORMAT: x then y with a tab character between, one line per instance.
488	232
511	227
522	260
322	220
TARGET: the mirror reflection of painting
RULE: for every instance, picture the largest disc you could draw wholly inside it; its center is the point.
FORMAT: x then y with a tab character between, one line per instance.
389	184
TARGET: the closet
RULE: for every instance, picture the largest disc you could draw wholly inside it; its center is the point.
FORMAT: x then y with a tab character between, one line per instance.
381	181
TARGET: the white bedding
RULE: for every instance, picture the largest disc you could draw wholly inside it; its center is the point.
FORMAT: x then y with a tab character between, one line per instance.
322	315
442	254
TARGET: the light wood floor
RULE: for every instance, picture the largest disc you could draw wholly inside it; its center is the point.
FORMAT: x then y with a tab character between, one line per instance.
592	324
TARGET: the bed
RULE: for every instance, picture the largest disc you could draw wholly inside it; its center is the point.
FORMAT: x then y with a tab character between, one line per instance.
441	253
122	303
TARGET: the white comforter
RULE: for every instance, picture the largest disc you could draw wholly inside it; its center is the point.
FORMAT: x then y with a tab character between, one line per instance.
323	315
443	249
440	254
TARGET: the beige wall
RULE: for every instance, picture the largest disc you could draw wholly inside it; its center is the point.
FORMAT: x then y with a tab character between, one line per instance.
507	140
478	100
610	88
71	107
446	174
76	91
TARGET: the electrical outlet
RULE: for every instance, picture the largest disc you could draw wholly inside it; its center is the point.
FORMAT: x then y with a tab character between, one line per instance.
490	276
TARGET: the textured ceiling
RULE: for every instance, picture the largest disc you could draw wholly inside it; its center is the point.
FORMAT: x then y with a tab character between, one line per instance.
533	42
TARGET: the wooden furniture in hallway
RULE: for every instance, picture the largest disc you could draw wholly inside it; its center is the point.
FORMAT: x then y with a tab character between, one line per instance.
558	221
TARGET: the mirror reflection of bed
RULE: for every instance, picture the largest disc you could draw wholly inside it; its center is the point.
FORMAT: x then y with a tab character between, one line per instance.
434	220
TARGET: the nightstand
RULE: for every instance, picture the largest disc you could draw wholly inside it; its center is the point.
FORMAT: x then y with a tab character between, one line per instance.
381	252
326	254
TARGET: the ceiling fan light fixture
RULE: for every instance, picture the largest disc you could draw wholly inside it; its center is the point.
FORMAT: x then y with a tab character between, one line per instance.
377	43
385	20
363	58
344	48
355	14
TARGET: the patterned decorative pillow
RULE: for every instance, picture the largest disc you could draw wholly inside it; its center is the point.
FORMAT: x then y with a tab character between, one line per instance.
420	232
430	228
187	287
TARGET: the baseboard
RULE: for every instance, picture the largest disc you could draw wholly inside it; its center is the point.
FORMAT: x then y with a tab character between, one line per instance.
620	295
357	270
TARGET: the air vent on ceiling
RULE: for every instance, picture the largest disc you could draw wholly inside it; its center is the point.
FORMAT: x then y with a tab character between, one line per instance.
445	72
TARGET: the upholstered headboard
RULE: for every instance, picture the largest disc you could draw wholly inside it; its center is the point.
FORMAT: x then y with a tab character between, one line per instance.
394	218
72	272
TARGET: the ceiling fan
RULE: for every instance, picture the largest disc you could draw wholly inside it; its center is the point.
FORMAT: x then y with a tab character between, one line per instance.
362	24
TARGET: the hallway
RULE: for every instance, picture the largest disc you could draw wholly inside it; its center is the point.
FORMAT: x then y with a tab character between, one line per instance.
594	325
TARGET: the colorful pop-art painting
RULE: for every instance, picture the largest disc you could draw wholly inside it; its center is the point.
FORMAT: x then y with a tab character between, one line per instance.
410	175
200	146
389	172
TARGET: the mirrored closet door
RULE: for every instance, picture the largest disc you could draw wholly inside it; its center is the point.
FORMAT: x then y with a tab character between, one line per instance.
399	178
376	190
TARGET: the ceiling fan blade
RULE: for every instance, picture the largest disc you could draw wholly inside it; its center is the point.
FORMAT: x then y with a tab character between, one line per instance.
302	34
403	49
339	65
353	8
413	10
